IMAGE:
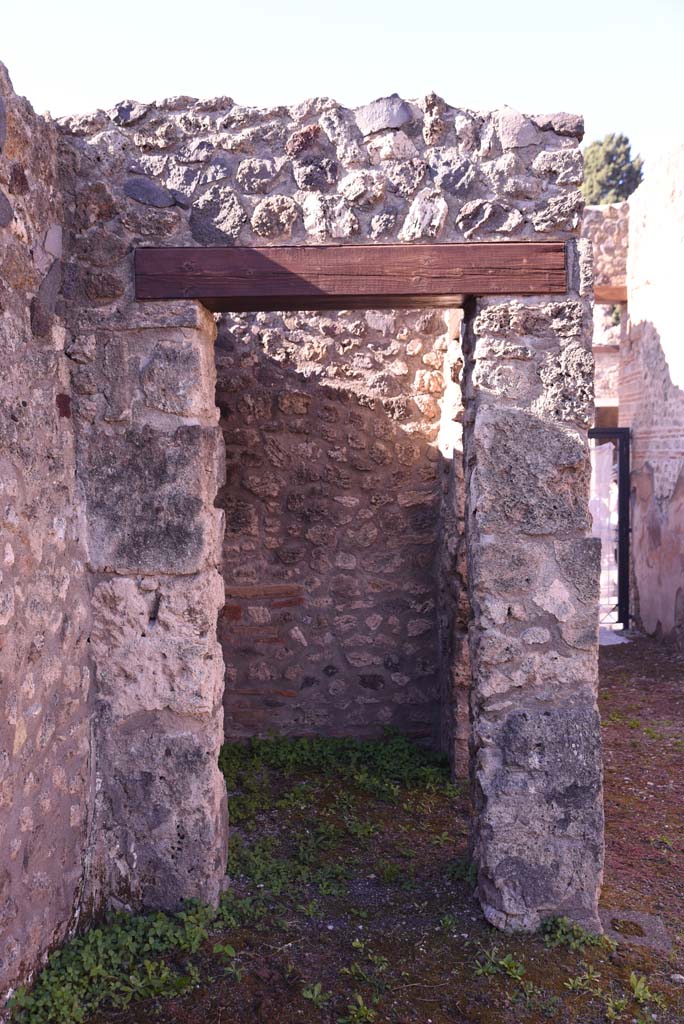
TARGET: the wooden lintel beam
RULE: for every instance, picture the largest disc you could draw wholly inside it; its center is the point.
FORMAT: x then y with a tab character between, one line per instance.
349	276
609	293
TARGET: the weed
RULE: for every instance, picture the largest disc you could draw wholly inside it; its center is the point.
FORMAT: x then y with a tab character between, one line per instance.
560	931
358	1012
463	870
441	839
489	965
312	909
615	1008
511	967
588	981
232	970
260	864
361	830
113	965
225	950
642	992
316	995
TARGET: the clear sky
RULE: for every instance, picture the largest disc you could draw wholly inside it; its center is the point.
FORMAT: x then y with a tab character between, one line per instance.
619	62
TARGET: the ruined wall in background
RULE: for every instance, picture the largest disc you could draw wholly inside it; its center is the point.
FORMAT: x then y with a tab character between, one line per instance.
652	397
607	227
45	777
333	516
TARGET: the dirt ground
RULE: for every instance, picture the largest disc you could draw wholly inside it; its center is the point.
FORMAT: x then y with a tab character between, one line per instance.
352	896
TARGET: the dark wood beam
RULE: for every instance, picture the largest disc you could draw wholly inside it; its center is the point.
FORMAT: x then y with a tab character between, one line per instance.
608	293
349	276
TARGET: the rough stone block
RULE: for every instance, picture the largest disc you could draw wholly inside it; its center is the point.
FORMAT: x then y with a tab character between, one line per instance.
149	496
6	211
147	192
164	818
531	475
156	649
389	112
538	784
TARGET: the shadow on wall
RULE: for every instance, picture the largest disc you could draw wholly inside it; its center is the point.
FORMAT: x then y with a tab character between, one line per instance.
333	502
654	409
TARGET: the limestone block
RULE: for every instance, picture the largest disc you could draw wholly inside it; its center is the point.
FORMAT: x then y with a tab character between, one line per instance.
328	217
149	497
217	216
256	176
389	112
531	475
571	125
274	217
156	650
567	378
404	176
314	174
426	217
363	188
479	215
178	377
515	131
538	780
164	823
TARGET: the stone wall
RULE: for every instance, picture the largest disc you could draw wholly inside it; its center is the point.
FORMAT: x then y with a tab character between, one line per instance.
607	227
333	515
345	602
330	619
651	392
44	679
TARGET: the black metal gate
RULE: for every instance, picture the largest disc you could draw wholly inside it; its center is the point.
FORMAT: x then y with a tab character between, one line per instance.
619	437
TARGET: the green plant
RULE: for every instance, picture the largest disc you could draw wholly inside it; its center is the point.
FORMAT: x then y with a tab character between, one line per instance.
358	1012
511	967
463	870
642	992
316	995
312	909
113	965
361	830
487	966
615	1008
560	931
231	969
611	174
588	981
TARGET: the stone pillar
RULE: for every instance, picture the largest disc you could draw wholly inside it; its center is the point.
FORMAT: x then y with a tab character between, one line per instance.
150	462
533	581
